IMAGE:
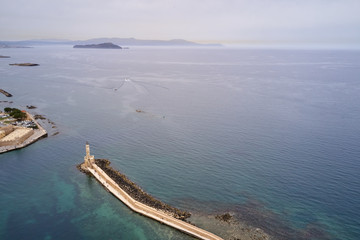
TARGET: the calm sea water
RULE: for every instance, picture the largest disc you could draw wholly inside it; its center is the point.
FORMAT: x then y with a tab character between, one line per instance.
273	135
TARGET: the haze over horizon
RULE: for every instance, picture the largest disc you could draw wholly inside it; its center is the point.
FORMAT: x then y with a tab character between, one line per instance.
229	21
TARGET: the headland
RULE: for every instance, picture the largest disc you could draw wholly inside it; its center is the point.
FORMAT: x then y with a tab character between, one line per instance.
139	201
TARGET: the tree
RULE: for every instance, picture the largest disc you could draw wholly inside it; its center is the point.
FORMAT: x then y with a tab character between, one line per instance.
19	115
7	109
15	113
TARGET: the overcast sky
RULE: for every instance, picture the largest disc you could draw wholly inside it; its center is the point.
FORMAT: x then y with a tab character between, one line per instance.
330	21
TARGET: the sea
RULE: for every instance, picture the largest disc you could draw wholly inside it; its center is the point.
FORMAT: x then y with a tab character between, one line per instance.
270	135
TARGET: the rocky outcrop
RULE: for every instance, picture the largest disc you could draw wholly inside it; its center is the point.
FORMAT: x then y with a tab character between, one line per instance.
38	116
224	217
30	107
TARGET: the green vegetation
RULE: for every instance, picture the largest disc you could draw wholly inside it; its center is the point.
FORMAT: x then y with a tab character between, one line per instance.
7	109
15	113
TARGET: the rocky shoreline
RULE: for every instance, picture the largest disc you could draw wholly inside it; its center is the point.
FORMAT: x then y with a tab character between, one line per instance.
136	192
52	128
229	229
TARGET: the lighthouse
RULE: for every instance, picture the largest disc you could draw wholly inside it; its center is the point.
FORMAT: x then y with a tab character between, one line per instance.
88	159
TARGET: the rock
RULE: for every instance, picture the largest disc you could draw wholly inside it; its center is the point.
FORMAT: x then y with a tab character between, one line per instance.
83	169
224	217
38	116
30	107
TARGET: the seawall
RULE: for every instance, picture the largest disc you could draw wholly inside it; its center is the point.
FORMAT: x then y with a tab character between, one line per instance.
37	135
145	210
5	93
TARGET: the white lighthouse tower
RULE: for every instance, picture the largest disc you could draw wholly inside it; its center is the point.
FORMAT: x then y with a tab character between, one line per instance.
88	159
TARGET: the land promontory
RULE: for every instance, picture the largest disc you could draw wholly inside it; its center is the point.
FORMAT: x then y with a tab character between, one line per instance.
101	45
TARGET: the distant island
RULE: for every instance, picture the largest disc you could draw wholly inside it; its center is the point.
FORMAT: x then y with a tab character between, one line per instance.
143	42
12	44
101	45
119	41
4	56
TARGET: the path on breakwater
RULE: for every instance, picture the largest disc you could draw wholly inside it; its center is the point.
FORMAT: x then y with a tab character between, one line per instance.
145	210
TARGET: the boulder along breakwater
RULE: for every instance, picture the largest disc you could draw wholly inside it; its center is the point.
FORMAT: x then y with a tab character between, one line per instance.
137	193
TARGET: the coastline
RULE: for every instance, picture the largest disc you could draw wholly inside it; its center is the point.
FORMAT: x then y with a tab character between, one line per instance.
37	135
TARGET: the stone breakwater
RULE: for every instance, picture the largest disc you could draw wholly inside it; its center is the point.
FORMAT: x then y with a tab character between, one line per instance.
164	214
5	93
137	193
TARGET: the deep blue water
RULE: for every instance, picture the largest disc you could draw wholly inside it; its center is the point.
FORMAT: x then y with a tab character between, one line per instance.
272	134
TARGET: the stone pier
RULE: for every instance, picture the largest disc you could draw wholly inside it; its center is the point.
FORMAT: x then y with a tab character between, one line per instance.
90	166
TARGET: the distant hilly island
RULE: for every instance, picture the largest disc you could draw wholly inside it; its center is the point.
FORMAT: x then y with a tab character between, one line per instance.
101	45
117	41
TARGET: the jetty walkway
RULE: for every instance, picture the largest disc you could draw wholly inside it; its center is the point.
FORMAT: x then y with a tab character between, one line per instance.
5	93
141	208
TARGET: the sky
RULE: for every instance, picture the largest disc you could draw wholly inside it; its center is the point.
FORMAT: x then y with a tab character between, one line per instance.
222	21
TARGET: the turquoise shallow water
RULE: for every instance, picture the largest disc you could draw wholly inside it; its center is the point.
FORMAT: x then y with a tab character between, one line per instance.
272	135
